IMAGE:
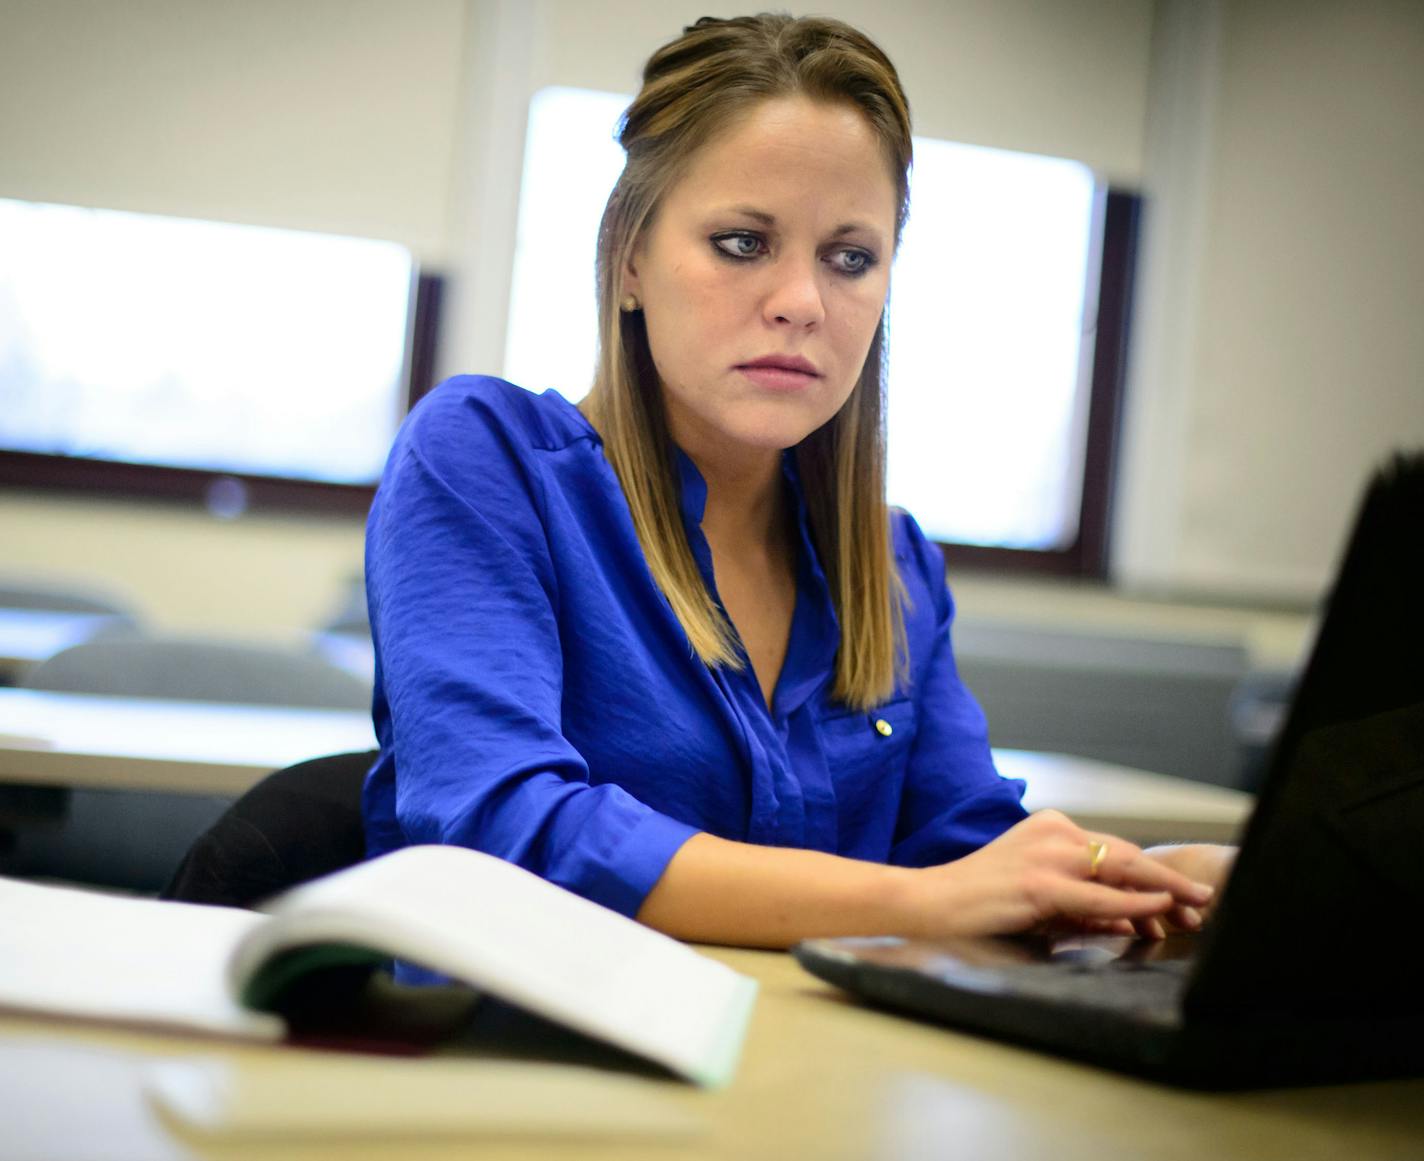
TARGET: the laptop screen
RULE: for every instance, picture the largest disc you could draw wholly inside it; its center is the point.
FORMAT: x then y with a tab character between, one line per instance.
1332	863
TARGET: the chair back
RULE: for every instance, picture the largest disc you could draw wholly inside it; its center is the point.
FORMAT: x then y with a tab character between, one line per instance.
134	839
293	826
200	670
21	593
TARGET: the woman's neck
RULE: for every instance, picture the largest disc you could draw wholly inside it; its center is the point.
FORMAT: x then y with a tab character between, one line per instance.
746	501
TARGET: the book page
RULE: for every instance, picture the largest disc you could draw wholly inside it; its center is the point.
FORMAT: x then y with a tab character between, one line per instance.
95	956
489	923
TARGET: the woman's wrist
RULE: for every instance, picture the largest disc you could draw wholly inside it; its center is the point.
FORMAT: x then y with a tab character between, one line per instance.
895	900
926	902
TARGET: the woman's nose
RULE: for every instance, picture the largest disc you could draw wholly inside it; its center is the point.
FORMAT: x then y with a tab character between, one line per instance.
794	297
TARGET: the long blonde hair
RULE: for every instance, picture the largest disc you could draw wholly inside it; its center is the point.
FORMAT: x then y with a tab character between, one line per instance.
692	88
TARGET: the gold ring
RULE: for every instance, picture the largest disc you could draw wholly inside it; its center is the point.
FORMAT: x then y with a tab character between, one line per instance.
1097	852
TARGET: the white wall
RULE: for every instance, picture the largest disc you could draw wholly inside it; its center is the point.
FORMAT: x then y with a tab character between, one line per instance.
1067	77
1282	349
333	115
1277	140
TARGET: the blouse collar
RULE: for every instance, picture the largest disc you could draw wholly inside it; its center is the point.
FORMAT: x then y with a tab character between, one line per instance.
815	630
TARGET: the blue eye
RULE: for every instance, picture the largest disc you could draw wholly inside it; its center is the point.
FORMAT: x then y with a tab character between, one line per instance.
739	245
853	262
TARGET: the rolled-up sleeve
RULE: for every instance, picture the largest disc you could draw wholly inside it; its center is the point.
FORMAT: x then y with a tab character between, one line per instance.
464	601
953	801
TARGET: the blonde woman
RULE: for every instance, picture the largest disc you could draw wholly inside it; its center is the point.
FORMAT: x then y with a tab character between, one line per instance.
670	649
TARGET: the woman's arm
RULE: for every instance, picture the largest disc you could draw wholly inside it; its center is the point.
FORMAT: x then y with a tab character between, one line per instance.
464	585
1038	873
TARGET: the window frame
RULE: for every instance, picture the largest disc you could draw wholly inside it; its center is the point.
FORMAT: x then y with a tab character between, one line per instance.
1087	556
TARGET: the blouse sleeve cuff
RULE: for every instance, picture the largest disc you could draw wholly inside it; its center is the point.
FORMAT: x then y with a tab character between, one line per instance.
622	882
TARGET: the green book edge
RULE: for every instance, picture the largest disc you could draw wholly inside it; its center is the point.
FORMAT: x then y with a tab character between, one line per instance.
721	1063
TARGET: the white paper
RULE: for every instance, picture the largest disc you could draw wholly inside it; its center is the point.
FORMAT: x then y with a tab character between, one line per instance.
89	955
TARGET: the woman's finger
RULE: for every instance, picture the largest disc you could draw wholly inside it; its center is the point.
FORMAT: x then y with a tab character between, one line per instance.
1150	928
1121	864
1099	901
1184	917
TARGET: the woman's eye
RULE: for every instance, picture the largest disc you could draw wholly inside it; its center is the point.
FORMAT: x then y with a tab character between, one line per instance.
852	261
738	245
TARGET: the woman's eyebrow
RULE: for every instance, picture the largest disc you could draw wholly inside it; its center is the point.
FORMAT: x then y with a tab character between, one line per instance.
769	220
756	215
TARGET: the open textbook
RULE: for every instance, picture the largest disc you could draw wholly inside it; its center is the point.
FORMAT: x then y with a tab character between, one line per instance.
472	917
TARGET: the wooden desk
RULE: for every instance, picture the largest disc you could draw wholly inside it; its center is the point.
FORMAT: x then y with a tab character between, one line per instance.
821	1078
81	740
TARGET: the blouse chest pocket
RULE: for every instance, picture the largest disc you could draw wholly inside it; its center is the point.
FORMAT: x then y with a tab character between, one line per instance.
866	751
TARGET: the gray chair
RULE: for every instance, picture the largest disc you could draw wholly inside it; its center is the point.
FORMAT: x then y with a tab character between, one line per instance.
200	669
134	840
39	617
35	593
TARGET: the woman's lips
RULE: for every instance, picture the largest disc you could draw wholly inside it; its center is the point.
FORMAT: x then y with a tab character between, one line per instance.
780	375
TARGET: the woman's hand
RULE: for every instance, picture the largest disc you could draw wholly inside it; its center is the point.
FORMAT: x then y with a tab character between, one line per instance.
1202	862
1042	873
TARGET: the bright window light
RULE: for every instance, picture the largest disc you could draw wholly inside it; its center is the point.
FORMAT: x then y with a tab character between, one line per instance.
988	368
990	339
571	161
155	340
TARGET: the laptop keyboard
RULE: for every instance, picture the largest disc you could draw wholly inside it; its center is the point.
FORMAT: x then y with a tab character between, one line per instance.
1118	984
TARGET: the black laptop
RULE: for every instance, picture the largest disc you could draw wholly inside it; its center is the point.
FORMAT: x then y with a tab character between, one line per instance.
1307	971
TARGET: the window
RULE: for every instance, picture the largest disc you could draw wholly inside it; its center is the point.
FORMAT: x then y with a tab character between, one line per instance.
999	426
986	346
201	347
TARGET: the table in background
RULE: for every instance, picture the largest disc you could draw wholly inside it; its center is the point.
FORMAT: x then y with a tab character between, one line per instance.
118	743
1138	806
821	1077
83	740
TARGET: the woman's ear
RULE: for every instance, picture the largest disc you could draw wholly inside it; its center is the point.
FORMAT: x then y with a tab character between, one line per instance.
630	284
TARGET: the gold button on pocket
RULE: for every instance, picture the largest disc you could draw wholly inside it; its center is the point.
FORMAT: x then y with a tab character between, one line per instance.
883	728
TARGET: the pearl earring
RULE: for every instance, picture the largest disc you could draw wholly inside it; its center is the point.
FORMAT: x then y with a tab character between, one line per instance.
629	304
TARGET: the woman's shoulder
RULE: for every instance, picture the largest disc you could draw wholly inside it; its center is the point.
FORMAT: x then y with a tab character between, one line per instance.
913	549
488	441
474	409
920	562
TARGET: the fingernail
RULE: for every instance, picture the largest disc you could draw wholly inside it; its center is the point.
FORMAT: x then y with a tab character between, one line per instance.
1190	917
1204	892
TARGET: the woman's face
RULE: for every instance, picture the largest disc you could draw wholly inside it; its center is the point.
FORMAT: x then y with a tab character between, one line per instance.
763	276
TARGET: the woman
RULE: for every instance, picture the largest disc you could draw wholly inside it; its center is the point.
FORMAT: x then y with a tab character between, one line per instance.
671	650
